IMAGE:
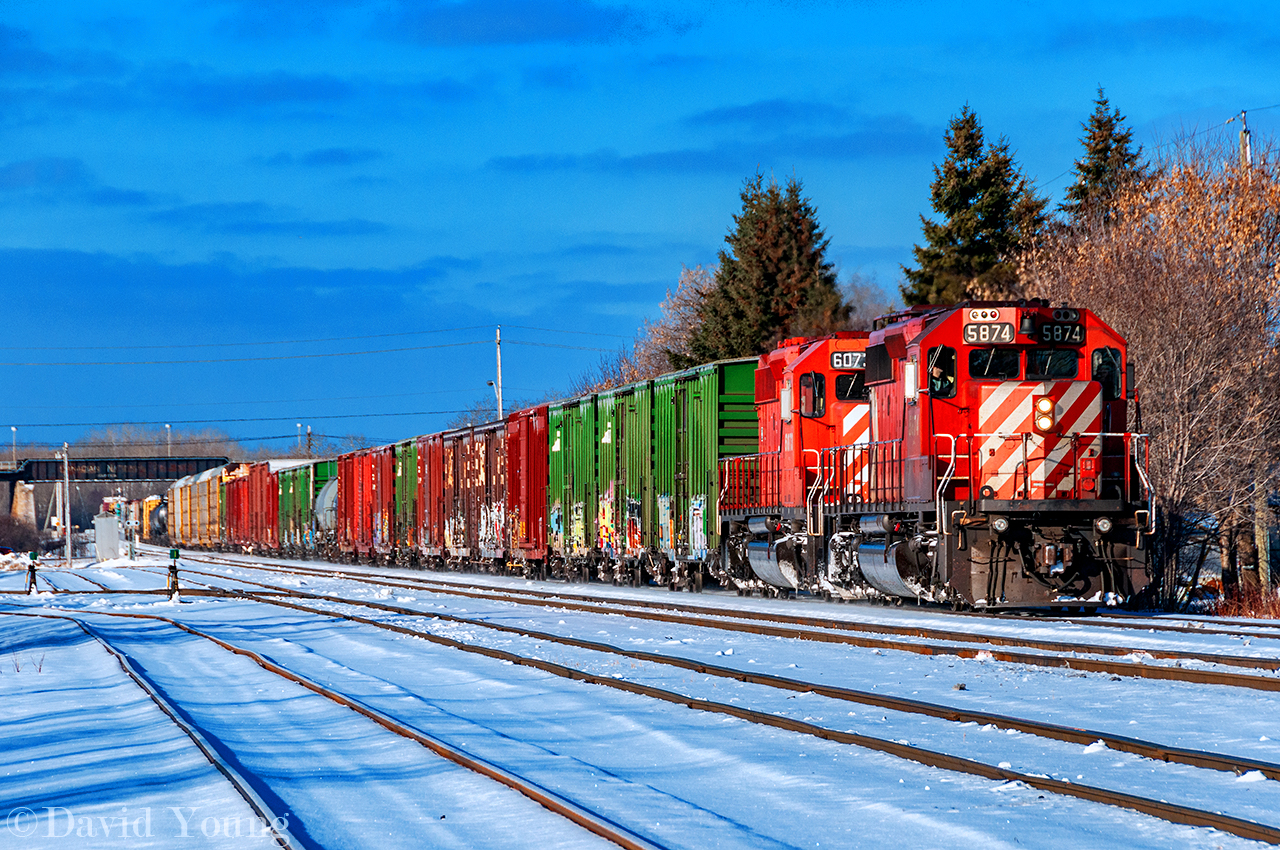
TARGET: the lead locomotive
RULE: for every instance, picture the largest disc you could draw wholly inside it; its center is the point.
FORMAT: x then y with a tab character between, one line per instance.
976	454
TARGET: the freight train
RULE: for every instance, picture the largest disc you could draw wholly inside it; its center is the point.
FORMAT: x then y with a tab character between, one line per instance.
975	455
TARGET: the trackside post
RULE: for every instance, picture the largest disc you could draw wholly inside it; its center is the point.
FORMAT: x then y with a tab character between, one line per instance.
173	575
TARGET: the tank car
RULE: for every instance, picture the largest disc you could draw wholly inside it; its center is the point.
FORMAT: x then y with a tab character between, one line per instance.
997	470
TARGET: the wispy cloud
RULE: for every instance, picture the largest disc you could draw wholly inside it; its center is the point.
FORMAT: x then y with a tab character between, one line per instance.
1155	33
201	90
477	22
20	56
771	115
879	137
560	77
254	218
325	157
66	179
44	173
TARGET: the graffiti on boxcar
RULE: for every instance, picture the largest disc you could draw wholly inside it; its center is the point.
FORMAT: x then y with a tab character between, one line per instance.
493	526
555	526
577	527
606	527
455	528
697	526
635	540
664	522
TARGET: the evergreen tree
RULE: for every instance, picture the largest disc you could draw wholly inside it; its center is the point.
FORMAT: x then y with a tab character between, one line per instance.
773	282
1110	162
990	212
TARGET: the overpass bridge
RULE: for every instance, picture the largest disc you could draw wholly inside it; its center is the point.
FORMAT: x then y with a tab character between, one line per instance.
103	469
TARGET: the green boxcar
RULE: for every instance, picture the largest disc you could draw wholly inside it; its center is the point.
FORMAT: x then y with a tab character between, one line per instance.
572	476
298	490
406	501
700	415
626	467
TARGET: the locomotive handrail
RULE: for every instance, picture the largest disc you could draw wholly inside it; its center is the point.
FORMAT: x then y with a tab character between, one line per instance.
811	503
942	484
743	480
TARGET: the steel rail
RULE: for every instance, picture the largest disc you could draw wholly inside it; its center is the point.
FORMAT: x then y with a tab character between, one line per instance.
592	822
45	573
1103	619
1090	665
1069	734
279	831
928	633
1169	812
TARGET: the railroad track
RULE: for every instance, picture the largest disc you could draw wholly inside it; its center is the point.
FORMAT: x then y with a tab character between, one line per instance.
1166	811
590	821
1102	619
270	819
1051	654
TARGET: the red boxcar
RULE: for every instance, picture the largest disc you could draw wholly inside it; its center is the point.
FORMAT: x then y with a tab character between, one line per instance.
527	484
366	504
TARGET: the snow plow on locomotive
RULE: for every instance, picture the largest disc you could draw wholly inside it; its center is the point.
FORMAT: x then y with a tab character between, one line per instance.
975	455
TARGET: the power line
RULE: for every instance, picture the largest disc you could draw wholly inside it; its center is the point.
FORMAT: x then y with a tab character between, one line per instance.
260	401
204	442
246	359
159	422
1213	127
558	345
558	331
1208	129
240	344
296	356
291	341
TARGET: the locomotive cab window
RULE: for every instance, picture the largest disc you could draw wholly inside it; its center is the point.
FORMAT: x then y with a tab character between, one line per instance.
1052	363
995	364
851	386
941	369
813	402
1107	371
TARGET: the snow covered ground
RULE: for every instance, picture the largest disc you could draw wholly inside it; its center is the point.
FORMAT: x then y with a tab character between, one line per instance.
86	751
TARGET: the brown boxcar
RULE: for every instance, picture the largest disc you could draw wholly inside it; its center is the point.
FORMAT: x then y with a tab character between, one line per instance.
462	495
431	512
366	504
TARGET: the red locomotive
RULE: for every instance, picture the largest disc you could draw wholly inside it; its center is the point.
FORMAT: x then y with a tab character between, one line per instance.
975	454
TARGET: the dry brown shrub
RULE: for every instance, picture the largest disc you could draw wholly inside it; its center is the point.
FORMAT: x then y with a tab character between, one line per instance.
1187	269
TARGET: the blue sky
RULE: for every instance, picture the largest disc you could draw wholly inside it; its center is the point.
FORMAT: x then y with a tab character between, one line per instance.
198	173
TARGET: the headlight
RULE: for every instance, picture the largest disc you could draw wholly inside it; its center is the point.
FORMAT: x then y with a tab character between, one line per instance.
1103	524
1044	423
1000	524
1045	405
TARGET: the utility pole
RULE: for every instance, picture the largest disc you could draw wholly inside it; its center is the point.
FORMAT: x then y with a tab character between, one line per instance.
14	429
498	386
66	502
1246	149
168	439
299	436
